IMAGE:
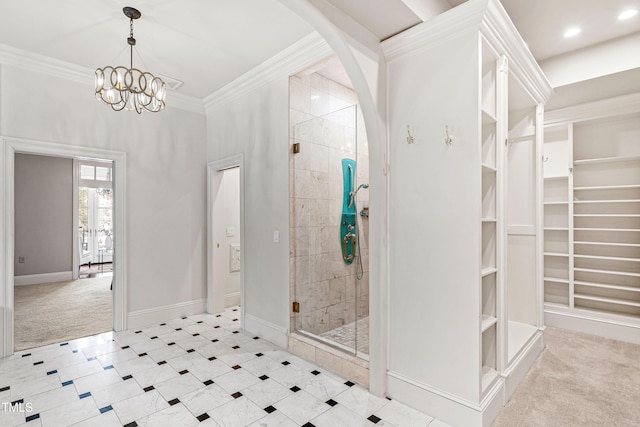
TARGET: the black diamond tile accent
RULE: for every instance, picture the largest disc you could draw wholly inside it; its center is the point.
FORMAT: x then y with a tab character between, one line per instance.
235	320
331	402
26	355
236	395
218	315
256	338
85	395
162	362
285	363
199	321
89	359
190	350
202	417
349	384
259	354
269	409
153	338
17	402
183	372
216	327
127	377
183	318
174	402
235	347
208	382
236	332
295	389
214	340
138	332
163	324
196	334
374	419
212	358
306	425
66	383
264	377
178	329
316	372
149	388
131	424
142	354
5	388
38	363
125	347
236	367
171	343
235	309
32	417
64	343
388	398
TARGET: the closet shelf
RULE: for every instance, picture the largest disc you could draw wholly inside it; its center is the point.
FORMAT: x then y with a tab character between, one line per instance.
556	203
488	117
607	286
611	272
629	245
580	202
556	280
607	229
601	160
488	271
489	220
607	187
486	168
556	254
489	375
606	215
607	258
488	321
607	300
556	229
556	178
554	305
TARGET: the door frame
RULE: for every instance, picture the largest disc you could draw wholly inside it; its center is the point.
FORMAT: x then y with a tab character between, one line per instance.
216	291
11	146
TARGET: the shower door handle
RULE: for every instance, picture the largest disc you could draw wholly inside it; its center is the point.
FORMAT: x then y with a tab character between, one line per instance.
345	255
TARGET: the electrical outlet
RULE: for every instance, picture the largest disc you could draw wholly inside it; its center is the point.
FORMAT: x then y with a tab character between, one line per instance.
20	260
276	236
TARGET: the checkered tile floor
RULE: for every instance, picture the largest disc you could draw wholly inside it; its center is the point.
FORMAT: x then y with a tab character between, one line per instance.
196	371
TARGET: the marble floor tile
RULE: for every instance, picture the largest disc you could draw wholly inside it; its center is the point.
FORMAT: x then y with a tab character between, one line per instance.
275	419
205	399
95	381
116	392
238	412
290	375
266	393
166	352
401	415
70	414
116	356
186	361
176	415
236	380
155	375
139	406
24	389
101	349
52	399
339	415
148	345
301	407
261	365
131	366
214	349
205	369
323	387
192	342
178	386
107	419
361	401
157	330
236	358
80	370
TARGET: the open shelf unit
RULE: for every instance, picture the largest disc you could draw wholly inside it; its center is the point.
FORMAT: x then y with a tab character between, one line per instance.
603	221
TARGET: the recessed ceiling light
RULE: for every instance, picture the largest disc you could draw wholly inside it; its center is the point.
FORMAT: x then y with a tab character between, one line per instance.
627	14
572	32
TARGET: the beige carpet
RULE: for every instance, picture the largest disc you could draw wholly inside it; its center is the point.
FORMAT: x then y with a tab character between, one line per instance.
578	380
57	312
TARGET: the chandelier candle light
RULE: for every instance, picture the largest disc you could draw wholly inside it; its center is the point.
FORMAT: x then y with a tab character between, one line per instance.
129	88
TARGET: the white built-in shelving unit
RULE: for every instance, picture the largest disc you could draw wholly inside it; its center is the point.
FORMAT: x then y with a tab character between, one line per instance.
594	284
470	270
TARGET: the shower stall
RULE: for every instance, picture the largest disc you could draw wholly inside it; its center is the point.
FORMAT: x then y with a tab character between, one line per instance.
330	231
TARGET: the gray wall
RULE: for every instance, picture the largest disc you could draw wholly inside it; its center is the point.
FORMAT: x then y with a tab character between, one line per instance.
43	214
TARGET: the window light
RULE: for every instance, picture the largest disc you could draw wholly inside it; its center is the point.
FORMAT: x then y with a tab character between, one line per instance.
572	32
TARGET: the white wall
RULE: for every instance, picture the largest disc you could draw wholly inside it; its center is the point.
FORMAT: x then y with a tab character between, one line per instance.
256	124
166	176
43	214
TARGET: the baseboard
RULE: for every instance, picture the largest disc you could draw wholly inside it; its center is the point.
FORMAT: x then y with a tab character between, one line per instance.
616	327
231	300
443	406
37	279
141	318
267	330
522	363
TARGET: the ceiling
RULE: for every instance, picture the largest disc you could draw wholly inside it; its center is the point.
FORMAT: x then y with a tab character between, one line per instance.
208	43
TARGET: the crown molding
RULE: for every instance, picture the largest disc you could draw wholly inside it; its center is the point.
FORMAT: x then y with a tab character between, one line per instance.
41	64
308	50
485	16
619	105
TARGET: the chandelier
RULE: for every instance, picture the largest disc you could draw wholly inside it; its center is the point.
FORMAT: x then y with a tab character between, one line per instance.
129	88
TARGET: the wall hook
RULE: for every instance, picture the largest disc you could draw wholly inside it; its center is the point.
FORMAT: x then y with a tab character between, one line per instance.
410	138
447	139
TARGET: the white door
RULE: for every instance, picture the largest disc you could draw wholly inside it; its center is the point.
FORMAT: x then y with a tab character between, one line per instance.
95	203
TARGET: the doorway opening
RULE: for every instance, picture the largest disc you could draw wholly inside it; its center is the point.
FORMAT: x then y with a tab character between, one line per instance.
225	261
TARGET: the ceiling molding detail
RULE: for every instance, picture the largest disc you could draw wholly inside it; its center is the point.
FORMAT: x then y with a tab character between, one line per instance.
41	64
296	57
491	20
619	105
